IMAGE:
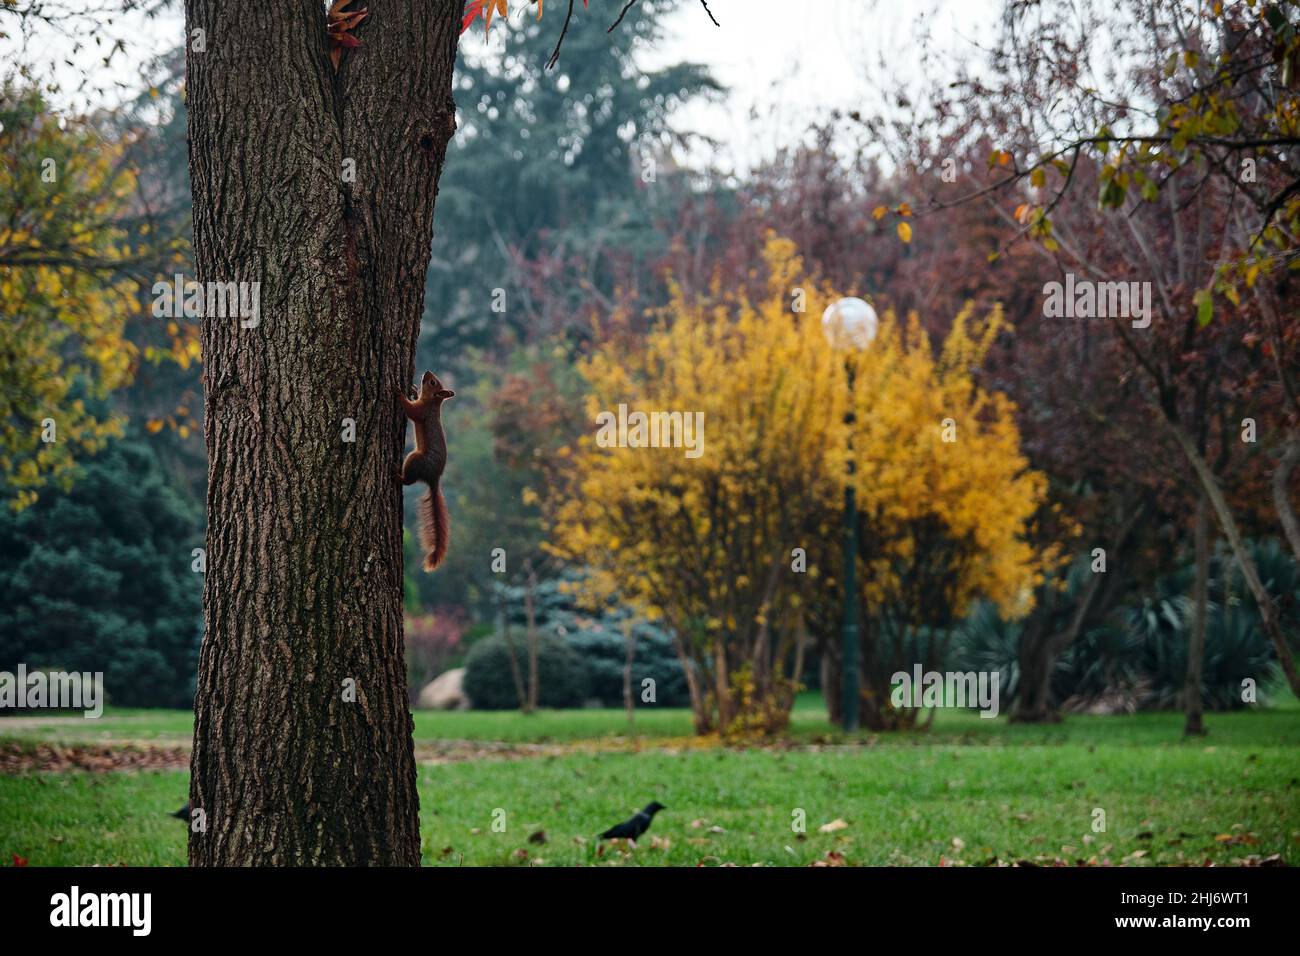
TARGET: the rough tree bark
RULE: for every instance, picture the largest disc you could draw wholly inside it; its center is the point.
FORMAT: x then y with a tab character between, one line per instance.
304	569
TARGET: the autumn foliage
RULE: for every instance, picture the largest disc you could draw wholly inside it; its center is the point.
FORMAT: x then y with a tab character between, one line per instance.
712	544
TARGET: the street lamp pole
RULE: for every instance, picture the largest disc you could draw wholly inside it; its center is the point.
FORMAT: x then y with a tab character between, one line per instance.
850	324
849	636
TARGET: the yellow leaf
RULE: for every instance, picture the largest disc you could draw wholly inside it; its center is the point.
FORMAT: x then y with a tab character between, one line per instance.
879	213
905	232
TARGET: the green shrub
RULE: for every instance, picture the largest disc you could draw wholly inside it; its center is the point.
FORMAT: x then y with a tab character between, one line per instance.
596	636
1143	642
490	684
605	652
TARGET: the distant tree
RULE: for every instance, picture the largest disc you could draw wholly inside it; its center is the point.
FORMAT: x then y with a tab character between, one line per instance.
67	286
101	578
1186	146
554	177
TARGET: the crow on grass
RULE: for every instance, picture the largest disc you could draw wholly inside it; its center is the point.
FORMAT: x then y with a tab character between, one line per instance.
633	828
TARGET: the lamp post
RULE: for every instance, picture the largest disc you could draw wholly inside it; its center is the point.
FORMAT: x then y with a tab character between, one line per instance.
850	325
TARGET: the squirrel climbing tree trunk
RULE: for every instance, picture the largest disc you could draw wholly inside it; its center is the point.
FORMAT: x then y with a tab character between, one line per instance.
319	185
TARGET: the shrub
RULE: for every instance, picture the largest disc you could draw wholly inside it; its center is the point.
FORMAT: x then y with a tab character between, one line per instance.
490	684
604	652
1141	647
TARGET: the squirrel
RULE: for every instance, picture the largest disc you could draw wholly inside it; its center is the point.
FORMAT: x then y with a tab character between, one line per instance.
426	464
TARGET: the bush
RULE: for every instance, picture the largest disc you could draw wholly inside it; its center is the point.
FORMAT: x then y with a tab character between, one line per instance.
1141	648
595	635
604	653
490	684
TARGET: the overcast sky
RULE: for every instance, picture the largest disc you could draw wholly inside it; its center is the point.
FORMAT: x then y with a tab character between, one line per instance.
785	62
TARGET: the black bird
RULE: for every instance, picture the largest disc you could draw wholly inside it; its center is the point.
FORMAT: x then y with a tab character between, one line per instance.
183	813
631	829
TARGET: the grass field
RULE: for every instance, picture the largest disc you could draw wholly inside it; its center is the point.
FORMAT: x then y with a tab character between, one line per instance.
969	792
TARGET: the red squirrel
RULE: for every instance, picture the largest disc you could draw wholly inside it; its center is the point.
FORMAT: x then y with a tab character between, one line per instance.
426	464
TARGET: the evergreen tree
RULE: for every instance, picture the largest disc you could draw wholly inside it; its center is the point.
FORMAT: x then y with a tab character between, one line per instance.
549	165
99	579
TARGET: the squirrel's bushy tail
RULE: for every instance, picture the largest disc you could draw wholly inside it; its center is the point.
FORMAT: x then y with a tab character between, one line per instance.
435	528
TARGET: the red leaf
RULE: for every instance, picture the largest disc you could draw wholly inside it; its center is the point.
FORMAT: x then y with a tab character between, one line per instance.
472	10
19	860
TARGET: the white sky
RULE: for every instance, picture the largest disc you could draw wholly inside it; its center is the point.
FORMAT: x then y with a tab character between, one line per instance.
786	62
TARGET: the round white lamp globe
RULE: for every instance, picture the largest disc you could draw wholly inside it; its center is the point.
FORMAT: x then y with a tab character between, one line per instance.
849	324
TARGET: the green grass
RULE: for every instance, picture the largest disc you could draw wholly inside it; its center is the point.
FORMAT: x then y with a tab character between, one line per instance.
1280	723
1010	792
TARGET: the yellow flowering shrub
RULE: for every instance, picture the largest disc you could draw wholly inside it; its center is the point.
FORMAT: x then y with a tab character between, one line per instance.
734	547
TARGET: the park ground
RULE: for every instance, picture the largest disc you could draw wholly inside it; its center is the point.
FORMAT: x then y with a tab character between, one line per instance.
508	789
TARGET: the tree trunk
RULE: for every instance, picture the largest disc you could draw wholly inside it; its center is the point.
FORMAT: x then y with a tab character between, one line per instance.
722	685
1192	698
829	677
520	692
530	615
1282	492
1033	702
303	594
1040	647
1263	600
700	711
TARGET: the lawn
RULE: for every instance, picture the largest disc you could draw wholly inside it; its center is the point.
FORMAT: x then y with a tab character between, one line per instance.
971	791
